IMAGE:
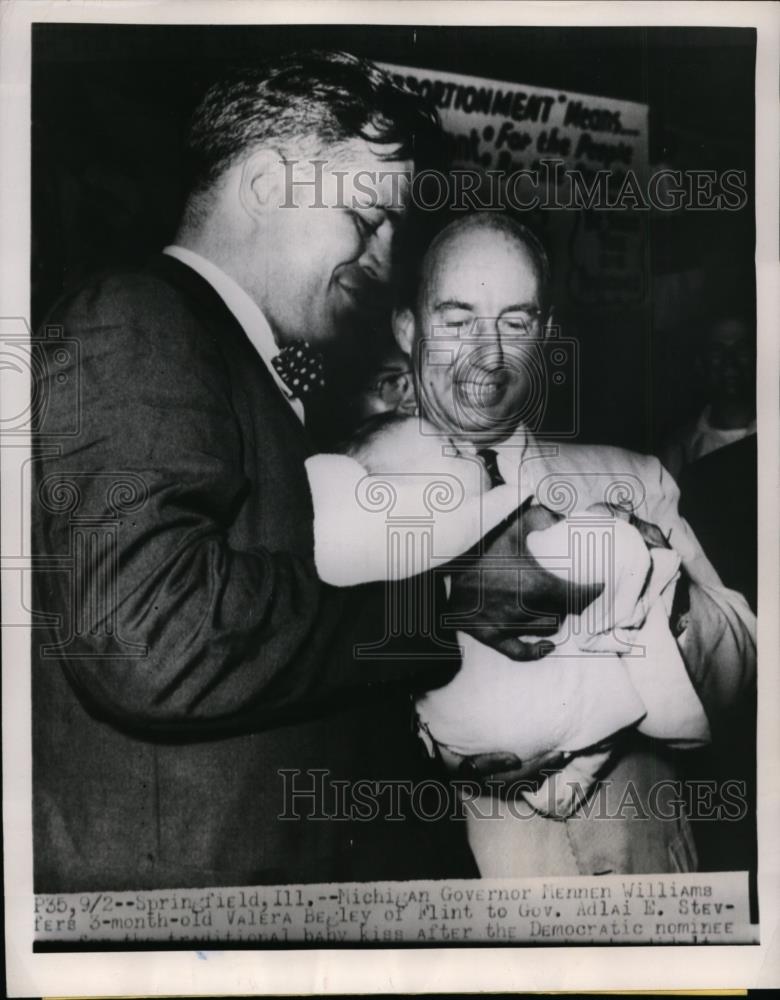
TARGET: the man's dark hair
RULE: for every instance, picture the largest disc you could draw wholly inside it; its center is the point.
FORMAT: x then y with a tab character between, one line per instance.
302	103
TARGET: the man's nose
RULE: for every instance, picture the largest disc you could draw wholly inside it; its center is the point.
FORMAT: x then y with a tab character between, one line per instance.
375	259
489	350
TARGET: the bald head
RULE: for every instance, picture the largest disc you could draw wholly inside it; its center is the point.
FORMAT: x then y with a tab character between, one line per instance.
481	227
473	333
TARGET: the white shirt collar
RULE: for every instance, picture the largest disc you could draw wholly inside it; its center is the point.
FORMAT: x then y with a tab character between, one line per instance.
245	310
706	427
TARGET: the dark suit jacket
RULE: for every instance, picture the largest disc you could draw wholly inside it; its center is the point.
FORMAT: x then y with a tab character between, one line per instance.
719	497
191	651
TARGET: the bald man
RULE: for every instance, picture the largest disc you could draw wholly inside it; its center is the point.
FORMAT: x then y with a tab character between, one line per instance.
474	332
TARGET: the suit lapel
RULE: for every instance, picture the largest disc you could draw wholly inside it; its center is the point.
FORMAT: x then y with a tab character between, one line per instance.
211	304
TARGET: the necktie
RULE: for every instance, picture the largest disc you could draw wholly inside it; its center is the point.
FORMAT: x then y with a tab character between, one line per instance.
301	368
490	460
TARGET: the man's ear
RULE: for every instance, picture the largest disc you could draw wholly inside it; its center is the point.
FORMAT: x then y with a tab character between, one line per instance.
403	329
550	327
261	182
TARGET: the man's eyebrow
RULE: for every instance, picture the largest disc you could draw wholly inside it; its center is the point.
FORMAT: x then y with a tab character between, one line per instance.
452	304
521	307
528	307
392	215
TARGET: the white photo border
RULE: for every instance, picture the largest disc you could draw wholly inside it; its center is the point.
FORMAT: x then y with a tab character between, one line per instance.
407	970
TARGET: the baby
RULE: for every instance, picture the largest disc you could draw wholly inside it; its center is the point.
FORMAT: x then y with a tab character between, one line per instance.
568	706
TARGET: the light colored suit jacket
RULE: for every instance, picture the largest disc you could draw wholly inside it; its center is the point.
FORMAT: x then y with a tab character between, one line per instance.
717	646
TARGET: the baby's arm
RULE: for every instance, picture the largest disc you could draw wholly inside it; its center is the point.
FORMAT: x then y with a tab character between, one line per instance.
359	520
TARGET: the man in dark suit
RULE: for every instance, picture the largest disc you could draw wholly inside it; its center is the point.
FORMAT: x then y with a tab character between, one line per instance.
719	498
195	672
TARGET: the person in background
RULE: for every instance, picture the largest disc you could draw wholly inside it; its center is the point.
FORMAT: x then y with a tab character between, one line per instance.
726	364
719	499
389	387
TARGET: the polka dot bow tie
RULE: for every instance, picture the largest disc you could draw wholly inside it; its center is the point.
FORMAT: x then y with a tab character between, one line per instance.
301	369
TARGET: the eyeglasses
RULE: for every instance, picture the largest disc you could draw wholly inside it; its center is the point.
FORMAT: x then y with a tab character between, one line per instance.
516	324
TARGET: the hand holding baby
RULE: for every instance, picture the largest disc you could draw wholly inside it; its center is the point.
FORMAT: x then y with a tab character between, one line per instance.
503	593
538	567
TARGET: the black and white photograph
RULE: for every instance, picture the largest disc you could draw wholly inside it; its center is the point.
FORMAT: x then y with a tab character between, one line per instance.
383	452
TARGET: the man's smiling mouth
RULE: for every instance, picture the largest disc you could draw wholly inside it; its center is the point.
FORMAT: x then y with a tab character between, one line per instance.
484	391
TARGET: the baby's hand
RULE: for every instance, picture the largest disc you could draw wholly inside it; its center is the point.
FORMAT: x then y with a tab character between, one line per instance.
652	535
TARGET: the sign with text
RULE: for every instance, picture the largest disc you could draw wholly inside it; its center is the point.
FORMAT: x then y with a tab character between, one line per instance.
500	128
508	126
